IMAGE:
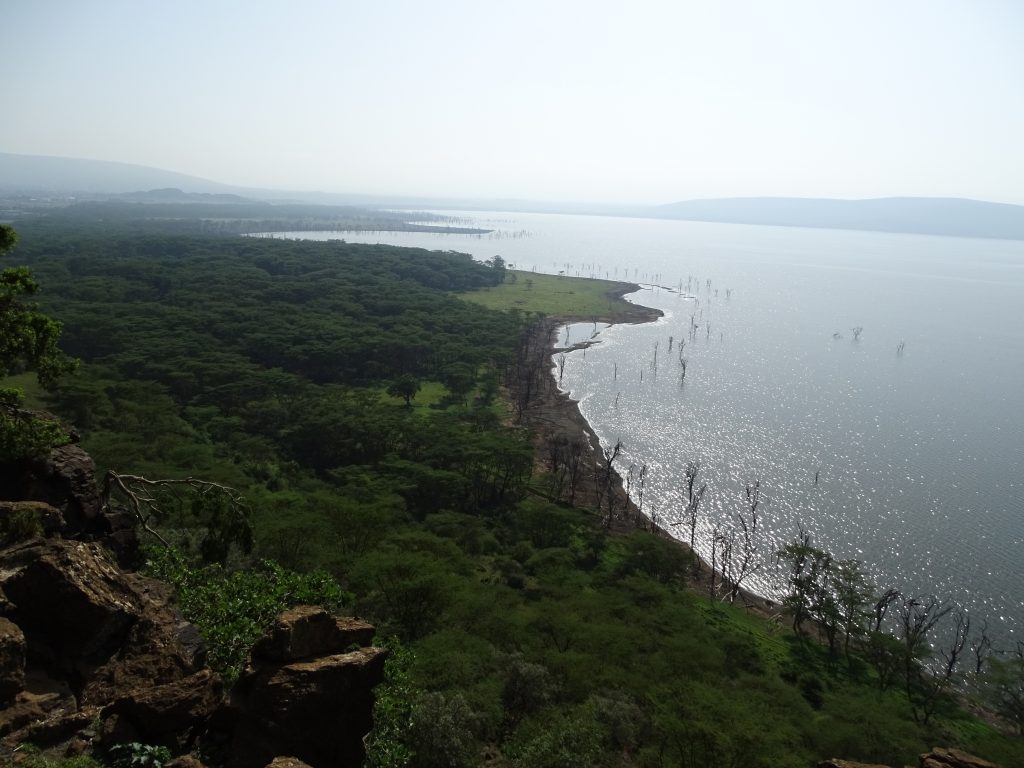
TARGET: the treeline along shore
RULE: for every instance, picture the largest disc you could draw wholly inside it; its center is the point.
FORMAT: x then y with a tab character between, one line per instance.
557	421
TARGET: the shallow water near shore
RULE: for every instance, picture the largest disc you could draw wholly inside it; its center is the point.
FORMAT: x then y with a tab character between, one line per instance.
918	450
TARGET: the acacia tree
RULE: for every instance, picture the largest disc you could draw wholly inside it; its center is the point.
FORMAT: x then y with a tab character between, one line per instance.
28	338
1004	686
405	386
808	570
853	594
28	342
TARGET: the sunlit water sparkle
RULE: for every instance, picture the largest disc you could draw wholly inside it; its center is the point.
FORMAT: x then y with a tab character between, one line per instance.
919	455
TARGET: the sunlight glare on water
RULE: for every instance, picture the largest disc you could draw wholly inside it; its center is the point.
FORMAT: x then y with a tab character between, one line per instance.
918	450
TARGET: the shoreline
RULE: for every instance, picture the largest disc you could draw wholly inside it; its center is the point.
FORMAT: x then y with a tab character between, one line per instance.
552	411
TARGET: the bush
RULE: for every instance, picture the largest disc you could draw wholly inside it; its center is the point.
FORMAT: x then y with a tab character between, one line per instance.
232	610
136	755
20	525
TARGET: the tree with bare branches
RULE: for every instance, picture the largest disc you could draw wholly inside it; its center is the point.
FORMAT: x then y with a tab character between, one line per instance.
219	511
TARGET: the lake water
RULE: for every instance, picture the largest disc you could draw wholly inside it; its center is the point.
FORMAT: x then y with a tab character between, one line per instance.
919	454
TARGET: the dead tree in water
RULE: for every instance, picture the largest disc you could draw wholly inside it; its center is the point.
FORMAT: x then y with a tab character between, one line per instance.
605	473
640	497
746	563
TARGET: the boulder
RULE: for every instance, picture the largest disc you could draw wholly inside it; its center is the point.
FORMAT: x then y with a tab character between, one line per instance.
170	714
69	598
58	725
67	480
941	757
286	762
847	764
185	761
305	632
319	711
48	519
12	660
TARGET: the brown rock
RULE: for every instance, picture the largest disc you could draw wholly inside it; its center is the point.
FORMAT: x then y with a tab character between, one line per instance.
58	726
305	632
185	761
160	648
12	660
29	708
318	711
50	519
286	762
69	597
941	757
165	714
67	480
847	764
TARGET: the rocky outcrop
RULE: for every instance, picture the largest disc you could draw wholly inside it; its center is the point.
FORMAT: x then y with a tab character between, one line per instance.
940	757
65	481
173	714
97	604
99	641
307	693
307	631
93	655
35	516
12	660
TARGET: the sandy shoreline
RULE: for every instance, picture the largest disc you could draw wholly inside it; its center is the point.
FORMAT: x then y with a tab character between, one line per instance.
552	411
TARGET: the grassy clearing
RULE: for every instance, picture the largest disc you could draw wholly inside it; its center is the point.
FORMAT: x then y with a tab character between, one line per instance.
551	295
28	384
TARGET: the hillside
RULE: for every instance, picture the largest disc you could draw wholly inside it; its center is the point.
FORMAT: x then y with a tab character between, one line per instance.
394	439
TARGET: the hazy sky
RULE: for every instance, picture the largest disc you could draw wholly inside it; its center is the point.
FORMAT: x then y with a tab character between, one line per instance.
633	101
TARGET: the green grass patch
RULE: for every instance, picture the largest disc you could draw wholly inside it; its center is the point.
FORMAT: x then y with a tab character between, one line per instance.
28	384
550	295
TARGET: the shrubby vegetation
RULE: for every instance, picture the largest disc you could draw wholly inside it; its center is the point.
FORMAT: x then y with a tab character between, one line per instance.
528	628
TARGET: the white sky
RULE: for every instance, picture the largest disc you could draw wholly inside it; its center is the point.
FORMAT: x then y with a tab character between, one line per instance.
635	101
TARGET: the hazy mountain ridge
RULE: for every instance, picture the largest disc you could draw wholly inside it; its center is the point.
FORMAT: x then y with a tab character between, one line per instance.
956	217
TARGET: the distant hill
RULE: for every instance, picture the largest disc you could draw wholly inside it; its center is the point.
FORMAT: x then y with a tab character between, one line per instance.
948	216
64	174
174	195
915	215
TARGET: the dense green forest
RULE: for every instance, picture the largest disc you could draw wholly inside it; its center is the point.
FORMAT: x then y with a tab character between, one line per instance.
359	404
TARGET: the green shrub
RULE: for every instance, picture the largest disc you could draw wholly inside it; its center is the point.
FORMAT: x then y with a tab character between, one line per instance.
136	755
29	756
232	610
21	525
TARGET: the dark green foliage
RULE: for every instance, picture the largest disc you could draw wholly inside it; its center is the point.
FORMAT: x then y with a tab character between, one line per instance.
405	386
25	434
20	525
1004	687
136	755
531	633
440	732
392	711
27	756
